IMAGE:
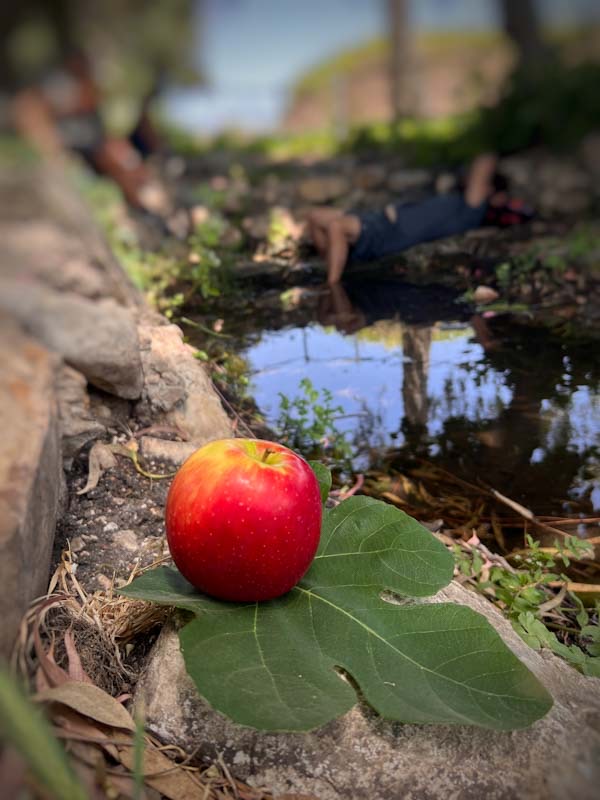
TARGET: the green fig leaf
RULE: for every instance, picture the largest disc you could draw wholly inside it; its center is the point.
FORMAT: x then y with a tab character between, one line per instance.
276	665
323	477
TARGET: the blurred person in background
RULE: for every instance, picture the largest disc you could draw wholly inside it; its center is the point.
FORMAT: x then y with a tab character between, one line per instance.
62	112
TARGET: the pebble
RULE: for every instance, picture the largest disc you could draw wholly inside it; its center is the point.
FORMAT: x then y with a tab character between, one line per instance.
126	539
77	544
110	527
103	581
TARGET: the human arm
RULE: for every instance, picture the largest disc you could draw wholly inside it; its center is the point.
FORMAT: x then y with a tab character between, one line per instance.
479	184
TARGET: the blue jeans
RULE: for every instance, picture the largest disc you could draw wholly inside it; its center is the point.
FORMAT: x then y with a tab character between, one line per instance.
434	218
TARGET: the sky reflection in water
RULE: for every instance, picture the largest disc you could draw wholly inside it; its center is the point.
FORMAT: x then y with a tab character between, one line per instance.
526	426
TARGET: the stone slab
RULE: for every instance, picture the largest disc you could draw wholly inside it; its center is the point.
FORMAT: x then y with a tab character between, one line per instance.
362	757
177	388
99	339
31	477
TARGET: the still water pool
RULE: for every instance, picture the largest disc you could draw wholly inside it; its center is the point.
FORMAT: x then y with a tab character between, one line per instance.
484	397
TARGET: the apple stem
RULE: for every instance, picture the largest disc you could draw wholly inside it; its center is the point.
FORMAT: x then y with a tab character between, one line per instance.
266	454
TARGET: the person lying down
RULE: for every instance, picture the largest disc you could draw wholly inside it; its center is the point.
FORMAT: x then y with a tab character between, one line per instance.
343	238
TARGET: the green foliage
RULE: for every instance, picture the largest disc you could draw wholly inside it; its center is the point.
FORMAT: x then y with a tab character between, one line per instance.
273	665
536	634
277	233
503	274
323	477
547	261
228	370
555	106
523	593
24	727
206	195
308	424
173	274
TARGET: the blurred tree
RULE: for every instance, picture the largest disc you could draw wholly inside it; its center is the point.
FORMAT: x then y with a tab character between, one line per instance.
521	24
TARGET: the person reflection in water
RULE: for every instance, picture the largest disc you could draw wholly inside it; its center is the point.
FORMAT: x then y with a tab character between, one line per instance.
343	238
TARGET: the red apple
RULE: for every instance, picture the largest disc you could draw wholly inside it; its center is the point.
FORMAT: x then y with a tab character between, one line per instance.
243	519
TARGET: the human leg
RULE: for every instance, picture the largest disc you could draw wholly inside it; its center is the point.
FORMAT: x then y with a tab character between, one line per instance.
479	185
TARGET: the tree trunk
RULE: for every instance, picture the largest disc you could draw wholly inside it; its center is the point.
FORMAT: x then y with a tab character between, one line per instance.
521	25
416	344
400	56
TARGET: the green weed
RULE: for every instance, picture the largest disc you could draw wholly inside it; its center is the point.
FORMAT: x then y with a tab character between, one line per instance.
23	726
528	596
308	423
172	275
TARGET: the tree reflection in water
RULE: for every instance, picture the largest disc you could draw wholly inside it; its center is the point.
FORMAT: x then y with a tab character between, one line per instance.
526	449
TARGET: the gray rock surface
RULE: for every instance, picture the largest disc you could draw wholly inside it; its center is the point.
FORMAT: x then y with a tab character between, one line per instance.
590	155
324	188
30	474
176	387
97	338
165	450
405	179
370	176
39	198
41	250
362	757
78	424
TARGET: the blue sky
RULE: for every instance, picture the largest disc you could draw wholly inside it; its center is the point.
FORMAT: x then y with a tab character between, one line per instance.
252	50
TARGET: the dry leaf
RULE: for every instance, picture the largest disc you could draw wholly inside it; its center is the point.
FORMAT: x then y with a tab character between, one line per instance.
76	671
81	728
101	458
90	701
175	783
53	674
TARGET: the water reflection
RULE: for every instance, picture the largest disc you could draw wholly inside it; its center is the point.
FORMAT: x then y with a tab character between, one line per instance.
484	398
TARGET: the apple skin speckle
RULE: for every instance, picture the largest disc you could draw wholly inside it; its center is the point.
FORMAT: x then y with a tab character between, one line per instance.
243	519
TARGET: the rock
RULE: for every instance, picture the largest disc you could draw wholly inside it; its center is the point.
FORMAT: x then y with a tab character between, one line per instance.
484	295
41	250
176	387
564	187
165	450
126	539
563	174
519	171
257	226
31	474
590	153
97	338
232	237
323	189
112	412
362	757
63	230
406	179
370	176
77	422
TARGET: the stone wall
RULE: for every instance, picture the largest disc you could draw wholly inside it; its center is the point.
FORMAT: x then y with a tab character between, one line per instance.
76	337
